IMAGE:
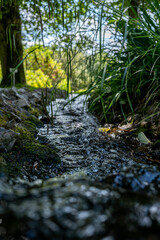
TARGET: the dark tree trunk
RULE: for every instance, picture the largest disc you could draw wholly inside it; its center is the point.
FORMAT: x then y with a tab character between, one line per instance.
11	50
133	10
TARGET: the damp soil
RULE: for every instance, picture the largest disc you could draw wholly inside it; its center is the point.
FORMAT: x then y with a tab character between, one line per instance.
106	187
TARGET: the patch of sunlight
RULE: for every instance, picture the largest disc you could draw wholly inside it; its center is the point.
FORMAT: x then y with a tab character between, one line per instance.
104	130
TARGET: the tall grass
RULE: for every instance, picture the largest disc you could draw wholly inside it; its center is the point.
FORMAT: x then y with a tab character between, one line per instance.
127	78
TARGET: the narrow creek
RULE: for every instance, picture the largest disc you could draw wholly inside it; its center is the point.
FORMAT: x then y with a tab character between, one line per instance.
104	193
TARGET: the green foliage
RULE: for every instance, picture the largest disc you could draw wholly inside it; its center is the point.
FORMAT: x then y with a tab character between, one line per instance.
129	80
37	79
41	69
59	16
63	85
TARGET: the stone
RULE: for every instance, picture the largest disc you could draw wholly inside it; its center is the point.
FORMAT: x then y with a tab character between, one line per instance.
36	96
11	93
11	124
15	117
7	139
24	111
21	103
21	91
4	97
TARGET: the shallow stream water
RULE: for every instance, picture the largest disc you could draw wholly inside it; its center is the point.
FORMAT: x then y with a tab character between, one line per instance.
104	194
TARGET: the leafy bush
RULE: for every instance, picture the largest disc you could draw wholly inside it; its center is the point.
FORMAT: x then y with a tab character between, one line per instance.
37	79
41	69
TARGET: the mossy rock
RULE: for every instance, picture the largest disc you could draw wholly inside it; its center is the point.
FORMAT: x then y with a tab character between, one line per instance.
24	133
34	111
31	127
3	118
35	121
3	122
31	150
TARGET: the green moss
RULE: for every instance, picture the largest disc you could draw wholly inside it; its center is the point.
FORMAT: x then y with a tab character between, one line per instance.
36	121
31	127
32	150
34	111
3	118
24	133
3	122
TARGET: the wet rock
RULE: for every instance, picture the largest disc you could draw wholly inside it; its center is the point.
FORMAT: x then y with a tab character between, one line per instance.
7	139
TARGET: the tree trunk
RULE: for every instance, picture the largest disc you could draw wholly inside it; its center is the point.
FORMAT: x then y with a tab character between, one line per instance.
133	10
11	50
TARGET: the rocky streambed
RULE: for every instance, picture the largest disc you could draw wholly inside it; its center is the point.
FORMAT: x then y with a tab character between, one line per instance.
100	187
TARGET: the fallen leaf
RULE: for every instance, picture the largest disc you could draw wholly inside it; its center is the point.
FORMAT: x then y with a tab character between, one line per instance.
104	130
143	139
